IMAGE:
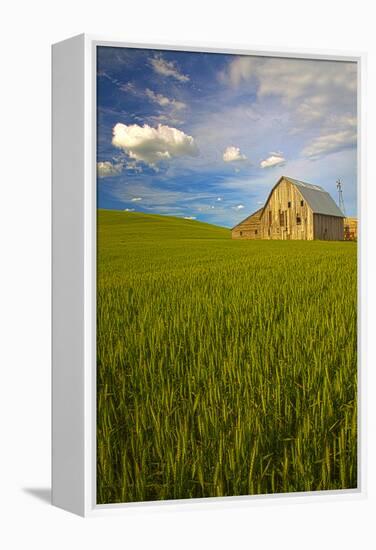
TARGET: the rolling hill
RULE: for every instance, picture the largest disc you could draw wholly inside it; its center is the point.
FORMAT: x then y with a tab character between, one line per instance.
151	226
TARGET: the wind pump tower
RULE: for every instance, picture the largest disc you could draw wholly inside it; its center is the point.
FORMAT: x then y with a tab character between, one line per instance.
341	202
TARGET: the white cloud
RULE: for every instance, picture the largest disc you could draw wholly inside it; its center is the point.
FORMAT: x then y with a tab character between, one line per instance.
159	99
239	69
167	68
292	78
238	207
107	168
233	154
164	101
189	217
136	199
318	96
128	87
219	199
128	209
168	119
275	159
133	166
330	143
151	145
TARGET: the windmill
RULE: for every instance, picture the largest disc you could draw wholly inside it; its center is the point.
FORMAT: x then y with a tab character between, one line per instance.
341	202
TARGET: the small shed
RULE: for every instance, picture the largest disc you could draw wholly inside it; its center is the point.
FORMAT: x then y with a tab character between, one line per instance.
248	228
351	229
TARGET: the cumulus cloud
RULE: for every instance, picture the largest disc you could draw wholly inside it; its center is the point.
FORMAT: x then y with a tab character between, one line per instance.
330	143
233	154
107	168
151	145
136	199
167	68
275	159
164	101
238	207
128	209
189	217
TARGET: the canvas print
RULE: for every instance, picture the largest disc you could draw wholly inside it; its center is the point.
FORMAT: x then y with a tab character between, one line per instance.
226	275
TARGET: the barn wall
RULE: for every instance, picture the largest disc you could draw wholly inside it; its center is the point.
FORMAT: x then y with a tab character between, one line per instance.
280	217
249	228
328	228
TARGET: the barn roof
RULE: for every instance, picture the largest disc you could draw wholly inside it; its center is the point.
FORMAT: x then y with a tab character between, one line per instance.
315	196
248	217
318	199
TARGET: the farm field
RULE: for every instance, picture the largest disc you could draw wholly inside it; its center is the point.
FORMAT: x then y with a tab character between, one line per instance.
224	367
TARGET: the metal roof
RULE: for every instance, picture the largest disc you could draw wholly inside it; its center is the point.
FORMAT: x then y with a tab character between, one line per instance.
317	198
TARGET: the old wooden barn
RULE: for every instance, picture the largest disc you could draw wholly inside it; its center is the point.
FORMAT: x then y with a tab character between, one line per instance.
294	210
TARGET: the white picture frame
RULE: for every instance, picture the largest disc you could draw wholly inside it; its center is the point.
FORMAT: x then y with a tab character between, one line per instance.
74	279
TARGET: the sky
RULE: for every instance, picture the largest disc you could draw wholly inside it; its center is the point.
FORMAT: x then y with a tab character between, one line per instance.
206	136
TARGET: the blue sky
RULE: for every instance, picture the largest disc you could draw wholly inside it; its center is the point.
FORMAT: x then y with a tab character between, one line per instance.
206	136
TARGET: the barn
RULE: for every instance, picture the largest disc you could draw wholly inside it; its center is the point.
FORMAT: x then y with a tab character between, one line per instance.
294	210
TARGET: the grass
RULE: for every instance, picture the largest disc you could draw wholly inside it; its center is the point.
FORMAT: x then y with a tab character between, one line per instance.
224	367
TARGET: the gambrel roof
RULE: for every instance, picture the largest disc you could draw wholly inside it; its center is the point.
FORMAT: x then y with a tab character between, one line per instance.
319	200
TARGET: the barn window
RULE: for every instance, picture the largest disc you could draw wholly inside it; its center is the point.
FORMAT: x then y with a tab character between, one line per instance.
301	203
289	204
281	219
298	220
270	217
241	233
255	231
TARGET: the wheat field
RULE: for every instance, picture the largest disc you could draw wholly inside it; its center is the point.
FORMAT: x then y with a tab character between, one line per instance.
223	367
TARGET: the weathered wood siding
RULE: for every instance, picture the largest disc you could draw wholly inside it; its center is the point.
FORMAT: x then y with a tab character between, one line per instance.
328	228
286	215
248	228
351	229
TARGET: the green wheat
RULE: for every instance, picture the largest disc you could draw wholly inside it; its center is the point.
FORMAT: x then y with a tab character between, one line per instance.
224	367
